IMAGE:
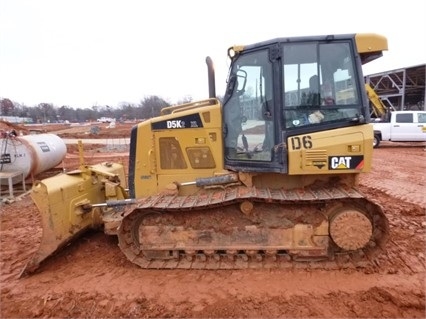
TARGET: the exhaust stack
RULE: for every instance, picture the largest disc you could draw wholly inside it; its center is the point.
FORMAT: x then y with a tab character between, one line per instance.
211	76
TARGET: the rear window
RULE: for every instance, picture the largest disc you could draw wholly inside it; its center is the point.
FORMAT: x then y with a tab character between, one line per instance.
404	118
422	117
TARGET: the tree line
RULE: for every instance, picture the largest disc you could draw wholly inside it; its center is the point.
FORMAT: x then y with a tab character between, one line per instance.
148	107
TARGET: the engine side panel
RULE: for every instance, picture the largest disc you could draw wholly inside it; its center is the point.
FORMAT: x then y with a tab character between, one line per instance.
176	148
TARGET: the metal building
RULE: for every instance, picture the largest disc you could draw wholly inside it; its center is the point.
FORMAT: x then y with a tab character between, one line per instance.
401	89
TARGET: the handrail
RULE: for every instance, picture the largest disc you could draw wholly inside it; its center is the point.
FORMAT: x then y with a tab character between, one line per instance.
188	106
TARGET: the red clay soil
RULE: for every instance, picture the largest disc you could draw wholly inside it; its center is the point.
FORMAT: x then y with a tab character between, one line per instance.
91	278
75	130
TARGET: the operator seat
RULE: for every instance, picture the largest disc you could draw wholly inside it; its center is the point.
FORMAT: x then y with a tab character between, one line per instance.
314	93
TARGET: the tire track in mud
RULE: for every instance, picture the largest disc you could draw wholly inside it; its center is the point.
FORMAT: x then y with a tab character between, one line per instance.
402	254
397	182
400	172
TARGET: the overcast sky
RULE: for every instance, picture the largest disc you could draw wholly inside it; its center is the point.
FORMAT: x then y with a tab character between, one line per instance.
82	53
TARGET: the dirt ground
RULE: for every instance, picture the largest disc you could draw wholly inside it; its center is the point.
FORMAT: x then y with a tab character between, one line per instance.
91	278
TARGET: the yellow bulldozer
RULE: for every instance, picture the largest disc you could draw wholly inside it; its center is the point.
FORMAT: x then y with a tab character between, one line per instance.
267	176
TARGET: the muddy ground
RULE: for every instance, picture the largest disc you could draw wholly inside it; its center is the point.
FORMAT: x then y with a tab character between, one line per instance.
91	278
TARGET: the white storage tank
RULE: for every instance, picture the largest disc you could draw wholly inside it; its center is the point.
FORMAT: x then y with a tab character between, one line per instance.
30	154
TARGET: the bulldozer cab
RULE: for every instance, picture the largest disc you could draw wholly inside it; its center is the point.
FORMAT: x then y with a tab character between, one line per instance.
282	91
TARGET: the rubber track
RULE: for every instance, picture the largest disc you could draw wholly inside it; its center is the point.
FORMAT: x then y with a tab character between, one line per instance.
222	197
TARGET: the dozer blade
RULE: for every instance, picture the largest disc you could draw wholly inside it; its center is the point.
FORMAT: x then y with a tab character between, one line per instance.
65	205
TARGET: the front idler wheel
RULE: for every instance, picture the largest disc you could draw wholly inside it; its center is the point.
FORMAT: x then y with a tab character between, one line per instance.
350	229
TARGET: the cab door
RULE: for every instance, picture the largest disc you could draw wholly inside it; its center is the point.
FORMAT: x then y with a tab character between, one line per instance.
407	127
250	115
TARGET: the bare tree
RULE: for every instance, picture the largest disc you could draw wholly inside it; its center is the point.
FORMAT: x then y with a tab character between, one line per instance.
185	99
128	111
46	112
151	106
6	107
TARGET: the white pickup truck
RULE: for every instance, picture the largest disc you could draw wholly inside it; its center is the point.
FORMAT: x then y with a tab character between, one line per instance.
403	126
104	119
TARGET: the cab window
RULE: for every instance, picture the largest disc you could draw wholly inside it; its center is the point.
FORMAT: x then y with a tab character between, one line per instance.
404	118
422	117
319	84
248	112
